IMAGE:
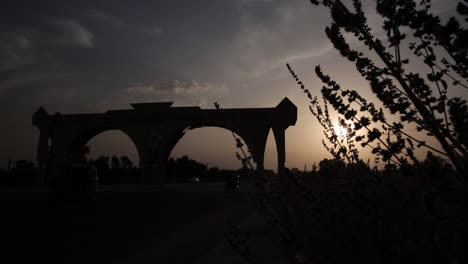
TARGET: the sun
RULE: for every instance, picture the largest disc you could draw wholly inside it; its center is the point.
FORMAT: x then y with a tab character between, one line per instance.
340	131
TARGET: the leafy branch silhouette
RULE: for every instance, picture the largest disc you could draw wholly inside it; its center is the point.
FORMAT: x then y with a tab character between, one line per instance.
414	99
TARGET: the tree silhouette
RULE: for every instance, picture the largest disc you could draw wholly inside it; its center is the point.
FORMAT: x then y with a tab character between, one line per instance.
83	151
115	163
419	98
102	163
126	163
187	168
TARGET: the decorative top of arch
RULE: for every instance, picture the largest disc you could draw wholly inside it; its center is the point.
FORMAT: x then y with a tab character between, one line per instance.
286	104
284	115
288	110
152	107
39	116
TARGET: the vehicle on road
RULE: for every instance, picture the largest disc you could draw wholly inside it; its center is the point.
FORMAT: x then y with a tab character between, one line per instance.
192	180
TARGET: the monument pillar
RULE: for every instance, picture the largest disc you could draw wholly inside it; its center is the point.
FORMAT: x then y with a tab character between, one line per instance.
153	173
279	133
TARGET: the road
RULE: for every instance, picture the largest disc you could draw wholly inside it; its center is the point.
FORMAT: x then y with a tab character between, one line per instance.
176	223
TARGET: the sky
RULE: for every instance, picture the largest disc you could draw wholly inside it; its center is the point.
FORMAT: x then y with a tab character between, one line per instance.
92	56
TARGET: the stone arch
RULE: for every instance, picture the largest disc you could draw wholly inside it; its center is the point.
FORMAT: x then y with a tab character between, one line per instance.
155	128
212	146
255	143
113	142
154	164
180	134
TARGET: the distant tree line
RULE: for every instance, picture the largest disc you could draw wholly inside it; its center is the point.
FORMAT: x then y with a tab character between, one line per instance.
120	170
115	170
25	173
183	168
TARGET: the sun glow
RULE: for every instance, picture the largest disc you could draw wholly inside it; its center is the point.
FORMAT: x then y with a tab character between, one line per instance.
340	131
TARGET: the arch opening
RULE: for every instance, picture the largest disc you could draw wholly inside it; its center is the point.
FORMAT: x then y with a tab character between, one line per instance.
113	156
271	153
204	152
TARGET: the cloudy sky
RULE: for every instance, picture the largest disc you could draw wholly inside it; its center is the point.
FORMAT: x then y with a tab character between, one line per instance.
91	56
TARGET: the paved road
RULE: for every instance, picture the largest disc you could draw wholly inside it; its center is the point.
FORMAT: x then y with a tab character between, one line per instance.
163	224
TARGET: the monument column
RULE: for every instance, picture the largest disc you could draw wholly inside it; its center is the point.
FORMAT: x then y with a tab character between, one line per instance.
279	133
152	159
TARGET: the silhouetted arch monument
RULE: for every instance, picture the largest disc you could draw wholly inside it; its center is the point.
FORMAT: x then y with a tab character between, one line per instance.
155	128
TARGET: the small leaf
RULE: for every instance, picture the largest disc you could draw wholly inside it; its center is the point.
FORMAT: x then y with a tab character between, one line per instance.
444	83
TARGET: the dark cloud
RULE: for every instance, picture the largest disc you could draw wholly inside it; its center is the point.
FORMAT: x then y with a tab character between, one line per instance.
181	92
177	87
108	18
72	33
